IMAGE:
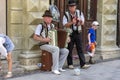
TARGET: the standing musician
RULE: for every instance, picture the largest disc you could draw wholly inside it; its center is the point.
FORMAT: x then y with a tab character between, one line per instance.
73	19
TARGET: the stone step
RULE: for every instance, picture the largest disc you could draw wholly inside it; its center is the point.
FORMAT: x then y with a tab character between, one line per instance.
18	69
97	58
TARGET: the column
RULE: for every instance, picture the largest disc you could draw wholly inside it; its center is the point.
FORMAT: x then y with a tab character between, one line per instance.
32	16
106	33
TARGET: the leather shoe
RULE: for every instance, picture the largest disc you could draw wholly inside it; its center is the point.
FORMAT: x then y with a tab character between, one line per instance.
85	66
71	67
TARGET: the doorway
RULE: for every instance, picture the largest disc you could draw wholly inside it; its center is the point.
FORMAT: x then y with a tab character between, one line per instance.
89	9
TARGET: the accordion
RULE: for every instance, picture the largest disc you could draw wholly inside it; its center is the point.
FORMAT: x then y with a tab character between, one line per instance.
52	34
62	38
58	38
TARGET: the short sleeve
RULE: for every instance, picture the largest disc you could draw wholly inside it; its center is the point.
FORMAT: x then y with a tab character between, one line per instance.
64	20
38	29
90	30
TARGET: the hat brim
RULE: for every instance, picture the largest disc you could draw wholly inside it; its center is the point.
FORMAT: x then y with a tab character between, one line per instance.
73	4
47	16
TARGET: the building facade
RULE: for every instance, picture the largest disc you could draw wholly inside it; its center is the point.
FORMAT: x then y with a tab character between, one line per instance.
20	17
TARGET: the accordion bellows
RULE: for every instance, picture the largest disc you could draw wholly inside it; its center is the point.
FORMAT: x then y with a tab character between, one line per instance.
62	38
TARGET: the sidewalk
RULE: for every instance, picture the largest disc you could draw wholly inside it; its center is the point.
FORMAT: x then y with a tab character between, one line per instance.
101	71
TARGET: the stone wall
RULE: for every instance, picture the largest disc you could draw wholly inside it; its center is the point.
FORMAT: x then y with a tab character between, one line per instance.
15	27
107	16
23	16
3	16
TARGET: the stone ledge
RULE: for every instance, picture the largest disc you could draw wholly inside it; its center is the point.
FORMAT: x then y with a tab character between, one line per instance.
110	53
30	54
30	67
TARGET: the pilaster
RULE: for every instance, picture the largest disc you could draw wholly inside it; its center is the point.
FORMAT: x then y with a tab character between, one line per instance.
32	16
106	33
29	59
15	25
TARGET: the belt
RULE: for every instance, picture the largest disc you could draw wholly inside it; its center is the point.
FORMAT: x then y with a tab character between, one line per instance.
79	30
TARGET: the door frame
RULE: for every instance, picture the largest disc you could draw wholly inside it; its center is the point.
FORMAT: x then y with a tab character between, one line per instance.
88	21
118	25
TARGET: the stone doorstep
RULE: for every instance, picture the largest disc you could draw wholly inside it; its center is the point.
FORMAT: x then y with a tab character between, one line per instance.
97	58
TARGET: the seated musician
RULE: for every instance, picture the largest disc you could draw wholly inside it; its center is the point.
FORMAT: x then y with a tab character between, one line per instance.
59	55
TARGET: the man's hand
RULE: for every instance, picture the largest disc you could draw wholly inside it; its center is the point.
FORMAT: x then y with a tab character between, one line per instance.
80	22
89	42
47	39
74	20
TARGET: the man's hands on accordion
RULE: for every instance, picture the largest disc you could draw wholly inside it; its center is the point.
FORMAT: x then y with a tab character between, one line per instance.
47	39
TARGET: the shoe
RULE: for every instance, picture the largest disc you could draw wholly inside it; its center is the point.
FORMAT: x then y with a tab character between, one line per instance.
62	70
56	72
71	67
85	66
9	75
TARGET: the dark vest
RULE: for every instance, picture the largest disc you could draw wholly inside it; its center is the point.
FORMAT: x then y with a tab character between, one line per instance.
69	18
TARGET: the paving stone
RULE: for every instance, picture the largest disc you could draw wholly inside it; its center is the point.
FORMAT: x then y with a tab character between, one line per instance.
109	70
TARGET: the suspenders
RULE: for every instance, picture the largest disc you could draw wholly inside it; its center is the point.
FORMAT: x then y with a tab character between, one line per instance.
69	18
45	28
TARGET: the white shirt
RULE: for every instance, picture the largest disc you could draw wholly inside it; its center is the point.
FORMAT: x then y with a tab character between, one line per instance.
2	40
3	50
39	29
81	17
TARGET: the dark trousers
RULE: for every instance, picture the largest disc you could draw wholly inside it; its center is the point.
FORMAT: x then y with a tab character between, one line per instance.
76	38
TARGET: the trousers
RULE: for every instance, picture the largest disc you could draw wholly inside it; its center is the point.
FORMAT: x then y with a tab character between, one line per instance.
76	38
59	55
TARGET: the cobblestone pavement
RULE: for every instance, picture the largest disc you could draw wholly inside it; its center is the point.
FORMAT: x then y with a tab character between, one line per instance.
109	70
